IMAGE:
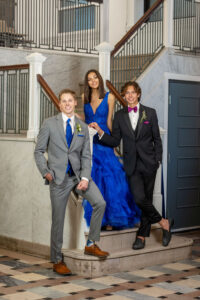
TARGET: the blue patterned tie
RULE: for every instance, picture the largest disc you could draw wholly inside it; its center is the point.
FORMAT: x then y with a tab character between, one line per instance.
69	137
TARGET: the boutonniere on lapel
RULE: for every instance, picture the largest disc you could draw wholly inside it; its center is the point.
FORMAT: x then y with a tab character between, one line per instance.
78	128
144	118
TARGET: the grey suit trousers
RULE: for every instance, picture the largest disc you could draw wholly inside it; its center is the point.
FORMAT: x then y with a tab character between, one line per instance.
59	195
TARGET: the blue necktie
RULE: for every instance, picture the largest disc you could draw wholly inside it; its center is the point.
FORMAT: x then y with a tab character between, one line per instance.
69	134
69	137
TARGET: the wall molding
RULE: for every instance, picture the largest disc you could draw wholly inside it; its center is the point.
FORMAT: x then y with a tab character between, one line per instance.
24	247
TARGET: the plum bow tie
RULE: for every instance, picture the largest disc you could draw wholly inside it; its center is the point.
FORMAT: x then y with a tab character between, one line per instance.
132	108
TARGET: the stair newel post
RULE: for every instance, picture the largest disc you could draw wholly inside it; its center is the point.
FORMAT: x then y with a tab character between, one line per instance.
168	10
35	60
104	50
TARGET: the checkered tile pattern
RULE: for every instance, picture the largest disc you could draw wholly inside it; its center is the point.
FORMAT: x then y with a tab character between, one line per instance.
24	277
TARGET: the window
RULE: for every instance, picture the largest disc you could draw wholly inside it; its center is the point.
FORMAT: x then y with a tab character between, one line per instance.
76	15
7	12
66	3
157	15
148	4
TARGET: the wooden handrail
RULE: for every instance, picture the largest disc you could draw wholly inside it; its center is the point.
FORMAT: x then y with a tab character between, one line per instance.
115	93
48	90
136	26
14	67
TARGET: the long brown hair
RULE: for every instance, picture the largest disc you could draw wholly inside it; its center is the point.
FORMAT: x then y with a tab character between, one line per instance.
88	90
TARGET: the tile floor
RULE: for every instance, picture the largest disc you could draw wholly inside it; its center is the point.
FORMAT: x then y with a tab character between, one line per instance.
24	277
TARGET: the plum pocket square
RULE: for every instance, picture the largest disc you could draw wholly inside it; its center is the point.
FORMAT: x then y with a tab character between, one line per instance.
146	122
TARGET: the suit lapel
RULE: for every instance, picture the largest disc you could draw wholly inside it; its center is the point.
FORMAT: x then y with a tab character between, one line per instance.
140	121
61	129
75	132
127	120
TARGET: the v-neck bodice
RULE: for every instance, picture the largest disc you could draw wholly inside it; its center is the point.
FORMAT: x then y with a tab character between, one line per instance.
101	114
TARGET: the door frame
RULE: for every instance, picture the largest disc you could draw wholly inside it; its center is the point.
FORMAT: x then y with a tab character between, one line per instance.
167	78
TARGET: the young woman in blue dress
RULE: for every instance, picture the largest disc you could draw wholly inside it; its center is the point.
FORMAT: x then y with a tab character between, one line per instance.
107	171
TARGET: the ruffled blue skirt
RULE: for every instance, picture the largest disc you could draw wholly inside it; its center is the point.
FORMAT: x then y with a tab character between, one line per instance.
108	174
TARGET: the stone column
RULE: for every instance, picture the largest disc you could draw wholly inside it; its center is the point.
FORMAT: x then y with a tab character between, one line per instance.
104	21
104	60
168	23
35	60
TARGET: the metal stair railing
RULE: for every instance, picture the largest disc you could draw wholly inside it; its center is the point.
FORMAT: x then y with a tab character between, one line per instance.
14	99
135	51
187	25
63	25
49	103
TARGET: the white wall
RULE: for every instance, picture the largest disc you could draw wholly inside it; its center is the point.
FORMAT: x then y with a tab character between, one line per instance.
25	207
123	14
60	70
117	19
138	10
152	80
155	81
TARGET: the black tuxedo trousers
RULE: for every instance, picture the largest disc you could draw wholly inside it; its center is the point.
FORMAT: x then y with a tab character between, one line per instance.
142	186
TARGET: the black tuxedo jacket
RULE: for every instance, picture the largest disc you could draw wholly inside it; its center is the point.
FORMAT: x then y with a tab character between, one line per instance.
142	148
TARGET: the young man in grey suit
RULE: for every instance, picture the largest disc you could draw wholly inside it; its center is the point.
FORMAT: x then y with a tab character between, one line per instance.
66	140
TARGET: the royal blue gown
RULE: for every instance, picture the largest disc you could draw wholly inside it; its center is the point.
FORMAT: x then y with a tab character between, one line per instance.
108	174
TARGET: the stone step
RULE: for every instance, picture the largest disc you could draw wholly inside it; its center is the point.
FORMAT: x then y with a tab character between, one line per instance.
131	69
128	259
118	240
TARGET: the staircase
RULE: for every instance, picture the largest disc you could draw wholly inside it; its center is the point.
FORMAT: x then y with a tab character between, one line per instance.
122	257
138	47
129	68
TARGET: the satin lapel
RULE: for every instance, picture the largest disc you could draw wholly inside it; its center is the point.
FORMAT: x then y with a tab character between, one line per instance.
127	120
75	132
140	124
61	129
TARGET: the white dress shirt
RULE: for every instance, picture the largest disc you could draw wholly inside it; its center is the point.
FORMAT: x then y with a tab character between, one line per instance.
134	116
72	122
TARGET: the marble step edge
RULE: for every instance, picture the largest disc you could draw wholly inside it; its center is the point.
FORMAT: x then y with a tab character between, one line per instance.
124	231
177	242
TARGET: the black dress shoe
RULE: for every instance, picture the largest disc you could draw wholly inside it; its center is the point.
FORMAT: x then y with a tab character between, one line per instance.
167	234
138	244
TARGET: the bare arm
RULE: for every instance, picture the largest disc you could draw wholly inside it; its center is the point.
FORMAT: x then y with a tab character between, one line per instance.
111	104
112	140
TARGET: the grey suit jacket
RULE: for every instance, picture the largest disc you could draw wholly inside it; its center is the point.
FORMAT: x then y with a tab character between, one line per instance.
52	139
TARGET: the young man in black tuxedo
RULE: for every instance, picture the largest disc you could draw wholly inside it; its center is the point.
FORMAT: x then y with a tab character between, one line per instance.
137	126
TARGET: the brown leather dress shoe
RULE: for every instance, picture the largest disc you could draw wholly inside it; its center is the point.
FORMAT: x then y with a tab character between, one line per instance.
61	269
96	251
